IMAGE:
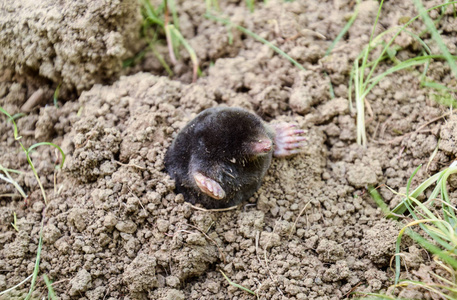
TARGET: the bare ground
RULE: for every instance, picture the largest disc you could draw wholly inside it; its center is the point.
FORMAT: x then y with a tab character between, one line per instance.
114	228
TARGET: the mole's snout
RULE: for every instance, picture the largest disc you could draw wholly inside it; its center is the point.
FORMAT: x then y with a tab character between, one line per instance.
264	145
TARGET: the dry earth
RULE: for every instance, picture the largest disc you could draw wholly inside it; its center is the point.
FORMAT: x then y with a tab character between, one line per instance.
114	228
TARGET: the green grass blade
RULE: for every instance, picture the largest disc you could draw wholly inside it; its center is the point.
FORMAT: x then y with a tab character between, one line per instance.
376	21
375	296
429	215
448	212
435	35
257	37
331	90
360	106
16	286
436	86
401	208
408	185
16	116
151	14
161	59
351	79
56	95
428	287
10	170
403	65
397	33
421	41
16	135
250	5
397	256
174	13
344	30
236	284
37	264
49	144
378	199
51	293
9	179
433	249
190	50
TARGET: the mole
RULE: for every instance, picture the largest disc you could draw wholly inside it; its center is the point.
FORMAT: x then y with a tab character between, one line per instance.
219	158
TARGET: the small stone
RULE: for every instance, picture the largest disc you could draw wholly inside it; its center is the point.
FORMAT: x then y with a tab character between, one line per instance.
88	249
162	225
179	198
80	283
334	107
38	207
213	287
126	226
140	275
269	239
301	101
172	281
175	295
103	239
110	221
330	251
360	175
51	234
77	218
230	236
196	239
309	282
108	168
62	245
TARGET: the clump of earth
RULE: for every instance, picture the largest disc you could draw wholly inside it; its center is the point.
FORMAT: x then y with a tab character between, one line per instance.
113	226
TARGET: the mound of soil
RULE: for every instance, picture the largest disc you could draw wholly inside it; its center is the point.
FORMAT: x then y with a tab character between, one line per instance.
75	44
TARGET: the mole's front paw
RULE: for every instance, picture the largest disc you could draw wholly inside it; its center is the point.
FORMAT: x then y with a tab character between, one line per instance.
288	139
209	186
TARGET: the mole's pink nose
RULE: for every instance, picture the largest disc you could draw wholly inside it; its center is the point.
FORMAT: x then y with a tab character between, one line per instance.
262	146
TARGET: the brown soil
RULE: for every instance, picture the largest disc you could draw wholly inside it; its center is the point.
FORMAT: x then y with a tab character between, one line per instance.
114	228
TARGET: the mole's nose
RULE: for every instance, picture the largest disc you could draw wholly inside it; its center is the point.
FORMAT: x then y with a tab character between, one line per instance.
263	146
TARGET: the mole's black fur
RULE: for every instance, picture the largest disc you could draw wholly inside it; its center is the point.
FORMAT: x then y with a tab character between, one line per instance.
218	144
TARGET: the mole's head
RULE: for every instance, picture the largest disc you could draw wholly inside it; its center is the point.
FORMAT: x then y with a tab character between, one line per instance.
233	133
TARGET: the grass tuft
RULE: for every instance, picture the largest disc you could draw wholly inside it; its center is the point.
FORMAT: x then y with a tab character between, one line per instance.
361	84
27	151
17	137
434	223
159	17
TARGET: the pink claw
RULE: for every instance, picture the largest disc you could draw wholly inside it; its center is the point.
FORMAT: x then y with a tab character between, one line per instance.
293	139
288	140
209	186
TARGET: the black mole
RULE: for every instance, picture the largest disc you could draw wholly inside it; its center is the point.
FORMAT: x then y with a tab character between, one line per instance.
220	158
